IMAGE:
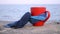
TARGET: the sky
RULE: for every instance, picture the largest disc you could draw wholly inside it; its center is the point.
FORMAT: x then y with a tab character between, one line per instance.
39	2
29	1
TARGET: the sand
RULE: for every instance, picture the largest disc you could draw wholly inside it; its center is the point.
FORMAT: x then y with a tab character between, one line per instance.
29	29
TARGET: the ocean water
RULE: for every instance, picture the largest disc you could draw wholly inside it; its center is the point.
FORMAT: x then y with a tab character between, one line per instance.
13	12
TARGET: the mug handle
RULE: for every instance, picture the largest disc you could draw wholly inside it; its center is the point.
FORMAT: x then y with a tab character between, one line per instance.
48	16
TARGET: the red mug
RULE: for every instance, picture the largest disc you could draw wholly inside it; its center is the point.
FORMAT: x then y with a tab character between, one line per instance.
35	11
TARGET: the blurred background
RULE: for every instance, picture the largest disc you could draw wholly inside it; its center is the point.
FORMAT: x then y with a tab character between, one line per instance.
10	9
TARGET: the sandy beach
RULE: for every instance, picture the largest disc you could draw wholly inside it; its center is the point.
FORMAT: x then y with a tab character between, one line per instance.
29	29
